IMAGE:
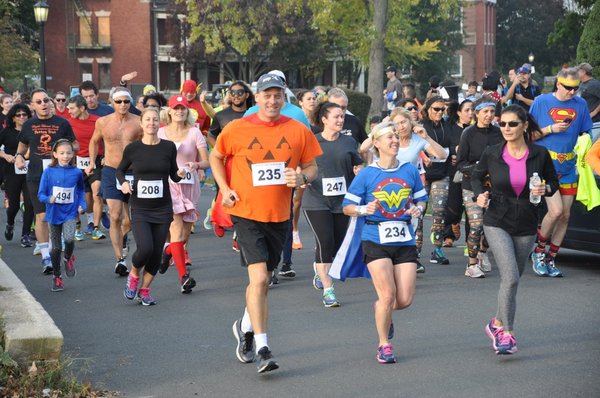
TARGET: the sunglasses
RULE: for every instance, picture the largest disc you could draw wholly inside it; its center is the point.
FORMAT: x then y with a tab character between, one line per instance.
119	102
412	108
237	93
60	99
512	123
21	115
438	109
45	101
571	88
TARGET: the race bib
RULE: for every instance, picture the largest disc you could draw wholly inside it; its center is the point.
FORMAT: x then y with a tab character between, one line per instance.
188	178
63	195
334	186
268	174
129	178
23	170
394	232
150	189
46	163
83	163
435	159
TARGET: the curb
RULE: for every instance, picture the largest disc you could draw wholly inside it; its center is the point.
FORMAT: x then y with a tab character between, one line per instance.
29	332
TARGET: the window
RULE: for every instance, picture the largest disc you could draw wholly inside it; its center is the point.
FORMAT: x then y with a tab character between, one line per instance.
169	75
86	71
85	30
104	31
167	32
105	80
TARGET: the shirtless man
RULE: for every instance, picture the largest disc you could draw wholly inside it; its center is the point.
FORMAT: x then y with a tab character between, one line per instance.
117	130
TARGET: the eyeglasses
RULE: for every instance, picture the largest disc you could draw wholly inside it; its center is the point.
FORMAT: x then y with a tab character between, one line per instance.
45	101
60	99
237	93
412	108
438	109
512	123
21	115
119	102
570	88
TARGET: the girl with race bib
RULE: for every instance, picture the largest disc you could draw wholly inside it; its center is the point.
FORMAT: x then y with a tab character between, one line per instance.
63	192
388	193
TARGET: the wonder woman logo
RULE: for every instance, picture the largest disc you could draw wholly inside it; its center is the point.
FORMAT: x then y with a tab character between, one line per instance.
393	195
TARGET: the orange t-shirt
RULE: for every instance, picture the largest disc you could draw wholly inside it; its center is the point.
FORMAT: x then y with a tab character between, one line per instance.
260	150
593	157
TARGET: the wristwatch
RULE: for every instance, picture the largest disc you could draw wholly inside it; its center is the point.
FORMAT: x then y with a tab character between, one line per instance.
305	179
362	210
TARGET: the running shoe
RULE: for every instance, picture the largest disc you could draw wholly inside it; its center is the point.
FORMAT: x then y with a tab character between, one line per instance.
46	265
97	234
78	235
131	287
245	343
287	271
57	284
538	263
89	229
105	220
507	345
474	271
26	241
432	237
484	262
187	284
70	266
385	354
218	230
456	231
206	223
448	242
144	297
296	243
494	333
329	300
234	246
420	268
466	252
9	232
438	257
551	267
37	251
274	280
121	267
266	362
317	284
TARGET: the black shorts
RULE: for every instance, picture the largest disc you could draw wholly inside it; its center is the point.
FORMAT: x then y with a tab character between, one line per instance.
34	187
260	242
398	254
96	175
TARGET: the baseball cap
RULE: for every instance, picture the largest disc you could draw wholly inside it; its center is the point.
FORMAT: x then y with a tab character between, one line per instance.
523	69
189	86
587	68
391	69
148	89
279	73
178	100
269	81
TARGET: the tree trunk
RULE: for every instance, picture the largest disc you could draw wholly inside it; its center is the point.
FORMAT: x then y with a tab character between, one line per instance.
376	54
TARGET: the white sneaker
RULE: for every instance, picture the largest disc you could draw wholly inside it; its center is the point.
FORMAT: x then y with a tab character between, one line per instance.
473	271
484	262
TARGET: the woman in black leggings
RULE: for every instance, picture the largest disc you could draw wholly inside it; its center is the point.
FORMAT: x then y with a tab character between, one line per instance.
14	179
153	161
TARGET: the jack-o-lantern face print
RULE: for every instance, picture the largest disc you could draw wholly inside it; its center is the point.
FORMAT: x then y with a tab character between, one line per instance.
269	150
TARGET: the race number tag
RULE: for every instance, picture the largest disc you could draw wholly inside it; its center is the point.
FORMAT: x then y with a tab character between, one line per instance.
394	232
63	195
334	186
188	178
129	178
46	163
150	189
83	163
23	170
268	174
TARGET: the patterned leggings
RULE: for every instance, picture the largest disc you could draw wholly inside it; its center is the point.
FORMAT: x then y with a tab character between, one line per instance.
438	197
476	239
65	230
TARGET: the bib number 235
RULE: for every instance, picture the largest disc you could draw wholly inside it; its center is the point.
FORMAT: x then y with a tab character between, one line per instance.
267	174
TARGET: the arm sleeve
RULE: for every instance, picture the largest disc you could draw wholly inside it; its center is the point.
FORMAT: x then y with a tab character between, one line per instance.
174	167
200	142
463	163
549	174
215	127
44	192
356	192
479	171
123	166
419	192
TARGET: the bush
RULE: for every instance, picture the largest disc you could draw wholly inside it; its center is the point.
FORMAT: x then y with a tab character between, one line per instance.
359	104
588	49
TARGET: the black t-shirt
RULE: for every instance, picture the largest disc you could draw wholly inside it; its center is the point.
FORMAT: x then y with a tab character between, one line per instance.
221	119
9	137
40	135
473	142
442	134
530	93
590	92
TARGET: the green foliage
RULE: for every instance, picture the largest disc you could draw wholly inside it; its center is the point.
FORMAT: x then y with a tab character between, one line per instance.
589	45
359	104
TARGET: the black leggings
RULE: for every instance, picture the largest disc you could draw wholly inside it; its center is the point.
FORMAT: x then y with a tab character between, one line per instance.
14	184
149	240
329	230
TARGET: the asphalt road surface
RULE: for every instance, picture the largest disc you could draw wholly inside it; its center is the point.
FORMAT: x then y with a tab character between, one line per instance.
184	347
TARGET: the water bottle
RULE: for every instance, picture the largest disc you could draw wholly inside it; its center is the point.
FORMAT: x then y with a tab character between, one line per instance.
533	181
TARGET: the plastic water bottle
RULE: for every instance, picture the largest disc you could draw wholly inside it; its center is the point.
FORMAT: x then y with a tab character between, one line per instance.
533	181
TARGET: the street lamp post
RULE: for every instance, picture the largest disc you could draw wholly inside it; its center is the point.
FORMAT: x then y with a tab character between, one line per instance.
40	10
531	58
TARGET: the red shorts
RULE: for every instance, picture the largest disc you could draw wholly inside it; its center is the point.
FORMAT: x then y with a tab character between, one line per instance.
568	189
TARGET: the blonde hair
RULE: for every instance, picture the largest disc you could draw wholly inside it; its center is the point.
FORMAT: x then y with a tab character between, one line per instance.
399	111
381	129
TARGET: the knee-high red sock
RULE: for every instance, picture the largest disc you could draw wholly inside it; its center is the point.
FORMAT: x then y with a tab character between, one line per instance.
178	253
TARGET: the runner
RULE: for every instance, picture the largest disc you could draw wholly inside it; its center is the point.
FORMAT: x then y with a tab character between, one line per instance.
385	193
63	192
116	131
153	161
266	148
510	221
322	203
192	156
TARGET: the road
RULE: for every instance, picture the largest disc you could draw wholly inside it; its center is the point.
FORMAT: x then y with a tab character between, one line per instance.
183	347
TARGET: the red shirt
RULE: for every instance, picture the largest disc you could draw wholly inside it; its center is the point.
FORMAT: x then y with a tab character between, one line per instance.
64	114
84	129
203	119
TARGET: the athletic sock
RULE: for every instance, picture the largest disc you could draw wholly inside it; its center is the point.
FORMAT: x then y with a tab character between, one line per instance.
90	218
260	341
542	242
178	253
45	249
553	251
246	325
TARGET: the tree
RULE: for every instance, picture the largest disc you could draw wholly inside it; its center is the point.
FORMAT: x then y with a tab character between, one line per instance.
589	45
568	30
376	54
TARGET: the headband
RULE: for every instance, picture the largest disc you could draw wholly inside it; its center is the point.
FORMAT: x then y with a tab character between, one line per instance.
385	130
569	82
121	93
484	105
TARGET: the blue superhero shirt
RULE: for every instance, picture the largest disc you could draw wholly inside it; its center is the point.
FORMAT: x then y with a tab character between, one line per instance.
395	190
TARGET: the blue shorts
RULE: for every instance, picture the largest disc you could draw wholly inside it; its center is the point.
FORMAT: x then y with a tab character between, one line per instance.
108	185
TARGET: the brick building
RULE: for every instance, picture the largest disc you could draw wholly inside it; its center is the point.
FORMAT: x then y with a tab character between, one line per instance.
479	31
